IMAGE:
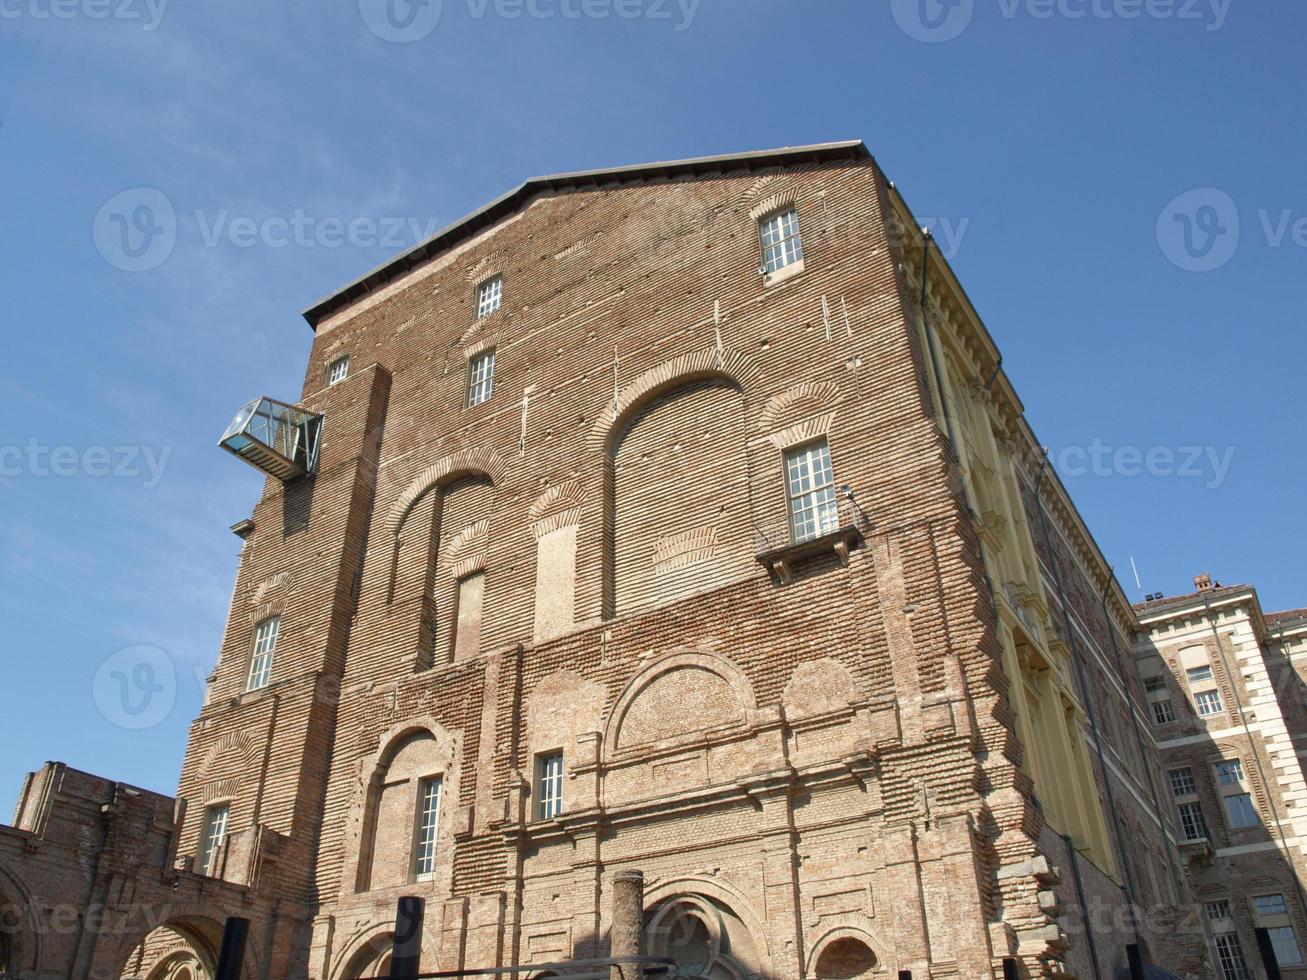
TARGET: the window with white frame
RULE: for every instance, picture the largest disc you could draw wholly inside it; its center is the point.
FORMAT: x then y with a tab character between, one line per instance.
1219	913
1163	712
1199	675
781	245
212	836
1270	905
1272	914
1193	826
1240	811
338	370
1208	703
428	823
1182	782
490	295
265	644
810	484
1229	954
1155	684
1229	772
549	785
1285	943
481	377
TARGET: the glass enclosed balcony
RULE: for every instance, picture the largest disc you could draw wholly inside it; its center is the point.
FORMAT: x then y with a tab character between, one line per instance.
279	439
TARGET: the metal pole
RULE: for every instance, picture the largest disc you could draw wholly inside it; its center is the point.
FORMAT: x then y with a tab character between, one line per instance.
231	954
406	953
1136	960
626	936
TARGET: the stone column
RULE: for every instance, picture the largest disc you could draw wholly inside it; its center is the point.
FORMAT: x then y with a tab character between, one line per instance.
626	935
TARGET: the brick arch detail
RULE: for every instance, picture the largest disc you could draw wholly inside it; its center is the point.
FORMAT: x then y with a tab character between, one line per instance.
378	927
726	363
463	463
712	662
844	927
715	887
25	942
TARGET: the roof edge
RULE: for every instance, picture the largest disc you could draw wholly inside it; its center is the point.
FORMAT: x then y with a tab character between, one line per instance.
507	203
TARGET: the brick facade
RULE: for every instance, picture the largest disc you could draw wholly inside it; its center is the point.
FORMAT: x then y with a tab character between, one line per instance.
914	743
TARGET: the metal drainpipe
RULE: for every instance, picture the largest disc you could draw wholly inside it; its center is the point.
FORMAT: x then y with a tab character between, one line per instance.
1129	887
1139	735
1080	897
926	239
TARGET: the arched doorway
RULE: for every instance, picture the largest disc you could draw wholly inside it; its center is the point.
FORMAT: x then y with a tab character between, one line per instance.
179	950
704	936
373	960
846	958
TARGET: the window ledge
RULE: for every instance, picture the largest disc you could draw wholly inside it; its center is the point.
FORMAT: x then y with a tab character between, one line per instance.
781	562
783	273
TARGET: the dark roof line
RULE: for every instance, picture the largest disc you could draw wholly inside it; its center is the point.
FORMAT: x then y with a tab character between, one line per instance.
1216	592
507	204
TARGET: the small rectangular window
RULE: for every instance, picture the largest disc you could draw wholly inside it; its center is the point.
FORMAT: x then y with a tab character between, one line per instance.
213	836
1163	712
428	821
1182	782
781	245
1230	956
481	378
1197	675
1285	944
1229	772
1241	811
1208	703
810	483
1271	905
549	785
490	294
1155	684
338	371
265	644
1192	824
1218	912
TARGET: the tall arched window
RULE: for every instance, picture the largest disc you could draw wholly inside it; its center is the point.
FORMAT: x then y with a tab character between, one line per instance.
402	835
680	519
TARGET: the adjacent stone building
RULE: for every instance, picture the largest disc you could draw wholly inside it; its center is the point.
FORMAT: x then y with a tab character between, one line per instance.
1225	685
677	518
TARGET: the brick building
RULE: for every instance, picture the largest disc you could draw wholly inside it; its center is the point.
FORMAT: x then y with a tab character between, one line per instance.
1225	685
676	517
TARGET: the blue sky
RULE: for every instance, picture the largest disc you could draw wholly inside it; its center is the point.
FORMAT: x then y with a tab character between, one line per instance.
1050	141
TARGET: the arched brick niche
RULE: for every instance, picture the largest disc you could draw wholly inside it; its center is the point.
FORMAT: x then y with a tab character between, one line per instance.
680	496
388	808
685	722
441	525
